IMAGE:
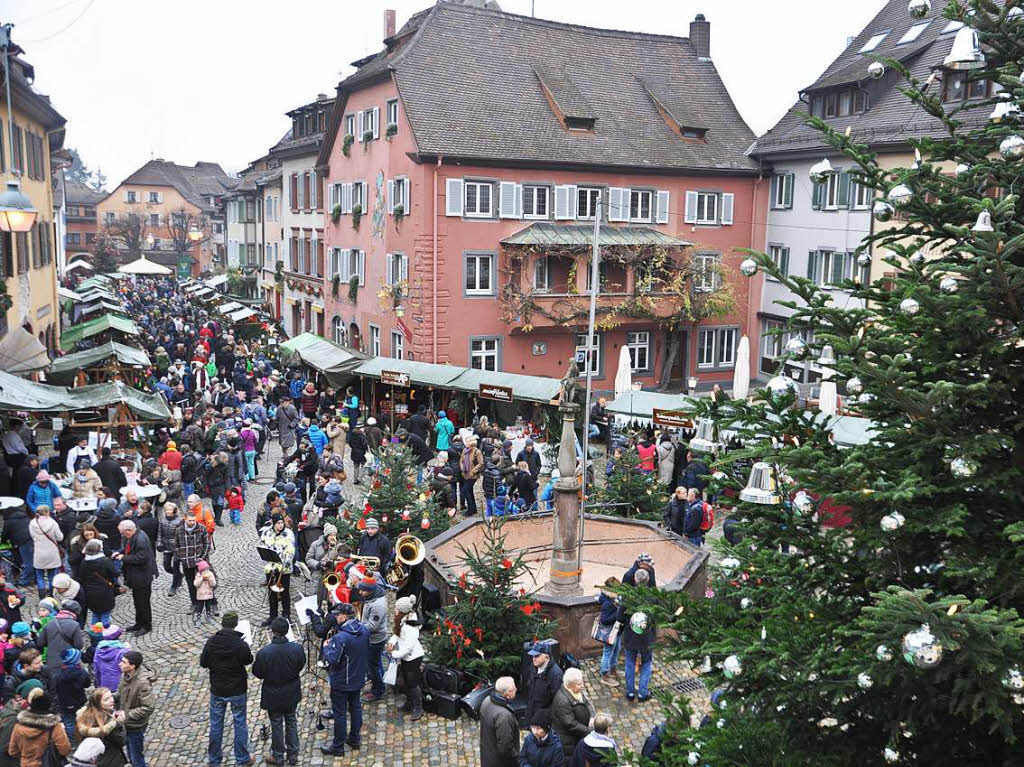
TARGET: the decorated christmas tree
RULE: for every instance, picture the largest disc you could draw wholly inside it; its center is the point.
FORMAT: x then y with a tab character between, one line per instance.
492	615
630	492
889	634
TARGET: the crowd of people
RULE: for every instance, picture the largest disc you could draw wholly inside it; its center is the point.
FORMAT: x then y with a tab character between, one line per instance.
229	399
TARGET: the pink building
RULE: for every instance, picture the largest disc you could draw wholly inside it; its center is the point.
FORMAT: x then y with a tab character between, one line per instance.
463	166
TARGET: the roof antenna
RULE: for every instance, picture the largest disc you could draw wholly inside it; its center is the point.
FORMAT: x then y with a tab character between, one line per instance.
533	8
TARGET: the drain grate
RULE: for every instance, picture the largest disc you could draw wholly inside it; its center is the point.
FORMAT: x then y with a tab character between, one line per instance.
685	686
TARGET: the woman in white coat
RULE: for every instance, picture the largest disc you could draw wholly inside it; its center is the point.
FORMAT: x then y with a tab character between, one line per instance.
666	460
405	648
46	558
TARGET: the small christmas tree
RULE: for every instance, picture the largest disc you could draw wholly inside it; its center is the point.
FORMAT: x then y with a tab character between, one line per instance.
394	486
492	616
637	491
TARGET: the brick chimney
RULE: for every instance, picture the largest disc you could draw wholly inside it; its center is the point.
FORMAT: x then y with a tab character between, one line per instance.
389	24
700	36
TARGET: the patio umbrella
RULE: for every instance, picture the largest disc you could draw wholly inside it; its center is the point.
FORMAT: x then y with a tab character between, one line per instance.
828	401
741	373
79	264
624	376
143	265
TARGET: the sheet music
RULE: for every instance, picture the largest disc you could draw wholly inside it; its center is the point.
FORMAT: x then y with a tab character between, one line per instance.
306	603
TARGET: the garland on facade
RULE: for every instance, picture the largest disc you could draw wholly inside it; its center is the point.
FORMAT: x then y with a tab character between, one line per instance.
662	290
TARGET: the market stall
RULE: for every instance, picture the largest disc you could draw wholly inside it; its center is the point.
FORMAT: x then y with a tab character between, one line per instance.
335	362
21	352
100	364
108	323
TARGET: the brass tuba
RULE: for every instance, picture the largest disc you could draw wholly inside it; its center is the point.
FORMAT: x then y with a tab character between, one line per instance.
409	552
275	582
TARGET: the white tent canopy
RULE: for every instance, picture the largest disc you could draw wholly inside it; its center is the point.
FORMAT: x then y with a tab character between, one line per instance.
79	264
21	352
143	265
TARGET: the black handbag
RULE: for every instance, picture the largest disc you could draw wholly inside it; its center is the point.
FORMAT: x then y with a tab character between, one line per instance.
52	757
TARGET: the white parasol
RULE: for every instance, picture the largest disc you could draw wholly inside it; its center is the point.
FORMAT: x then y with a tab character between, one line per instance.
143	265
741	373
624	376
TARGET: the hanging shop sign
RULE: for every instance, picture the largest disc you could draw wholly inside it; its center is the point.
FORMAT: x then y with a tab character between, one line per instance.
495	392
394	378
677	418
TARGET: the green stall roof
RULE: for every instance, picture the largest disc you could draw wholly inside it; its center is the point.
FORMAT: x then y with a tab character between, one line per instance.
76	333
20	394
321	354
422	373
72	363
529	388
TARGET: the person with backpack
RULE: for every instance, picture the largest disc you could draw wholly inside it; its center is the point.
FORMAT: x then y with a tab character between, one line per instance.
699	517
36	730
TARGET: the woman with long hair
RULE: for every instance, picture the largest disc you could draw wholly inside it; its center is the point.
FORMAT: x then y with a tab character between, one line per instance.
405	648
98	719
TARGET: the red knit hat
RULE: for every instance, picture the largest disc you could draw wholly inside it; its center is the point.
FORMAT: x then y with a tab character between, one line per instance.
368	583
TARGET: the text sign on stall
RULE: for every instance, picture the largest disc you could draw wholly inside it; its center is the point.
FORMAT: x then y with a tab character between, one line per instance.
394	378
495	392
676	418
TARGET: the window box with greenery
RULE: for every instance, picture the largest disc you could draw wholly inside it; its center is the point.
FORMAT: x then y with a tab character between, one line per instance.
346	144
390	131
335	283
357	214
398	213
367	138
336	213
353	288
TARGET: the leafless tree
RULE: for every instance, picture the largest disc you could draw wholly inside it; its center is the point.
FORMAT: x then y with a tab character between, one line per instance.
127	233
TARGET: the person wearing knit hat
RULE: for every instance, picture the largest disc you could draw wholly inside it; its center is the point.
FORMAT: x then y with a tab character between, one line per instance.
541	745
226	656
405	648
375	616
278	538
71	682
65	587
27	745
26	687
88	753
21	630
279	665
326	550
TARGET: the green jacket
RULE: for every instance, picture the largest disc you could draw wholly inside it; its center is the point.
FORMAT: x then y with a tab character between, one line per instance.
135	697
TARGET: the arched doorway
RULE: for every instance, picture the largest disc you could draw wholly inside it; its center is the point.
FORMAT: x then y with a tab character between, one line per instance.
355	340
338	330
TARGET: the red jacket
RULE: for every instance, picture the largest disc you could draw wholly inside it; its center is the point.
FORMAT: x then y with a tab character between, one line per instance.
171	459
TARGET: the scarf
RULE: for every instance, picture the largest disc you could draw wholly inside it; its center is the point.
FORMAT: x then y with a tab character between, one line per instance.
467	460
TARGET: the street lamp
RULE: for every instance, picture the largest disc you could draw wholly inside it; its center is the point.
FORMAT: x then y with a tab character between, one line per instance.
150	241
195	233
399	311
16	211
691	385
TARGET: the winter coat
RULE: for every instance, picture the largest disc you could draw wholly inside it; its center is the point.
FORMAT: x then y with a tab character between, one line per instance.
135	697
444	429
112	733
541	688
546	753
375	615
317	438
46	535
60	633
205	582
674	515
338	437
238	470
217	479
111	474
226	655
347	654
279	664
419	448
98	577
148	524
71	684
105	662
318	550
694	516
171	459
250	439
696	474
287	420
532	459
190	468
191	545
526	485
139	561
641	643
499	733
491	480
166	530
106	522
418	424
475	463
570	718
86	488
16	527
376	546
172	490
647	453
407	642
666	462
595	750
41	495
628	578
32	735
357	442
609	609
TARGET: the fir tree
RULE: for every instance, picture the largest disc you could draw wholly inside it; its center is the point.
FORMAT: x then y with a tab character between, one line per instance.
896	639
493	615
636	492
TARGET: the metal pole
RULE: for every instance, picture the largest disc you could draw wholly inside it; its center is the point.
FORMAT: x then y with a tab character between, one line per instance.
5	38
595	284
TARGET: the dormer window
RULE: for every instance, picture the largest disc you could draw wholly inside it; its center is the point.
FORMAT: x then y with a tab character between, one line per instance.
914	32
580	123
696	134
956	87
873	42
841	103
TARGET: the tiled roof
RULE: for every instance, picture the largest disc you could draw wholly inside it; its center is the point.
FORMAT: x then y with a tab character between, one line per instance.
470	88
80	193
311	140
196	183
891	117
546	234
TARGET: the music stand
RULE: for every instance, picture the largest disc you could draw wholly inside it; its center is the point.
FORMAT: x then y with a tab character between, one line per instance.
269	555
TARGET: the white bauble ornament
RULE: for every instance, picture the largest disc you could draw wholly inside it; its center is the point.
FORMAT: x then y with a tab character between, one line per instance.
864	259
748	267
921	648
1013	680
719	476
745	603
732	667
918	9
910	307
963	169
917	259
900	195
892	521
949	285
692	758
1012	148
876	70
780	385
882	211
729	564
963	467
720	724
883	653
854	386
864	681
891	755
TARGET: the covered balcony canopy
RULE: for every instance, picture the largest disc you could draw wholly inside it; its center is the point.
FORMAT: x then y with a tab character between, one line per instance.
549	234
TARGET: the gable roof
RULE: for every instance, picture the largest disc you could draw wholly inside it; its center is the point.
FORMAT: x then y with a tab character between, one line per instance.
195	183
76	193
470	80
310	143
891	118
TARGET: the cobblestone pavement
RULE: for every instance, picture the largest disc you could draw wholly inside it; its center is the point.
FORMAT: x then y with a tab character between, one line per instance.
177	735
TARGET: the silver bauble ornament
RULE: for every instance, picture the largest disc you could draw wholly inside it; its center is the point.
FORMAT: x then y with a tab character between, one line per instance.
891	755
864	681
892	521
917	259
921	648
728	565
780	385
693	758
732	667
963	169
864	260
1013	680
883	653
876	70
910	307
918	9
963	467
720	724
949	285
745	603
1012	148
796	347
748	267
854	386
900	195
882	211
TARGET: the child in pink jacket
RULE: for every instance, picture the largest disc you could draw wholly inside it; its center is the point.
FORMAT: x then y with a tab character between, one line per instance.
206	584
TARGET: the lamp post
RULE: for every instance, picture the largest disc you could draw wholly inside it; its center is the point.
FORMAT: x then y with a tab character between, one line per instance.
150	241
691	385
195	234
16	211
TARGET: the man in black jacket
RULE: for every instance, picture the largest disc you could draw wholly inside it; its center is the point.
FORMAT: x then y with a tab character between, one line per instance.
279	664
110	471
418	424
139	570
420	452
531	457
544	682
697	472
499	730
226	655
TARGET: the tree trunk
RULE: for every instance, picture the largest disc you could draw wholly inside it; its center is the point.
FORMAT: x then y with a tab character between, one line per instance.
671	350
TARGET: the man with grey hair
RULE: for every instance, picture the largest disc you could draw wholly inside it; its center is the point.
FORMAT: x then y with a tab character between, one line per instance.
597	749
139	565
499	730
571	714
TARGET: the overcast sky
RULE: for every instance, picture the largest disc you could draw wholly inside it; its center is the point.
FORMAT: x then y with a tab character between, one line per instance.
210	80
